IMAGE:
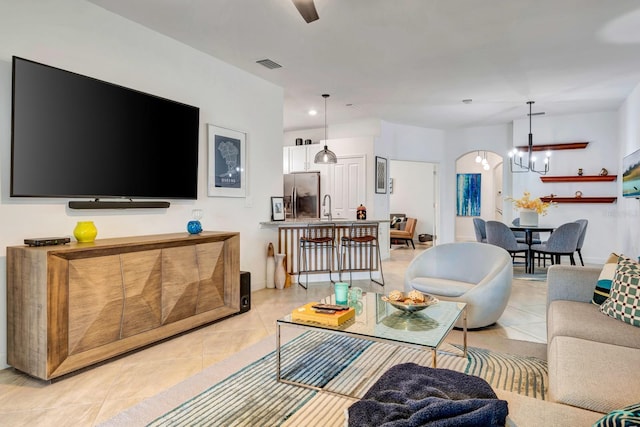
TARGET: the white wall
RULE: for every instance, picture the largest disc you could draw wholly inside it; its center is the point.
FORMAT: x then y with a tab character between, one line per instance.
603	151
79	36
628	214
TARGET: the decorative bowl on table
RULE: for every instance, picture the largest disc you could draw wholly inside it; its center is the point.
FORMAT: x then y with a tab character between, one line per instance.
412	302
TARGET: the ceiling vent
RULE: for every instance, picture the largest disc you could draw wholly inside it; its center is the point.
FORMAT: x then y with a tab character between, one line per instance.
269	64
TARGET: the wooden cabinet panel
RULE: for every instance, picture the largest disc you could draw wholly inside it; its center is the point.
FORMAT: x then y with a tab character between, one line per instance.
96	302
211	276
142	275
179	283
74	305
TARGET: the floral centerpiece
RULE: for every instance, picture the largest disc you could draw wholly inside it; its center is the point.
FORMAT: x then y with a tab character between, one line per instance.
530	208
526	202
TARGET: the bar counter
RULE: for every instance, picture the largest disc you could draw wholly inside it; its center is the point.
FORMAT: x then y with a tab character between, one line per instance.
289	233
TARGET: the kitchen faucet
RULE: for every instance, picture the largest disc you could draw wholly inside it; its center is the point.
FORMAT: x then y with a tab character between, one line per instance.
324	201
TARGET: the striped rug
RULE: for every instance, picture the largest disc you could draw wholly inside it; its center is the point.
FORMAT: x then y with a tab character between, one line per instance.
252	396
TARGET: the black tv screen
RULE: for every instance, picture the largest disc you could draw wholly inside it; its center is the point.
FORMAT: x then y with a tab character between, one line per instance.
76	136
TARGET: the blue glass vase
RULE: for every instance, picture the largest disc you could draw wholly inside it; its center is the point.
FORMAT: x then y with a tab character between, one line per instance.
194	227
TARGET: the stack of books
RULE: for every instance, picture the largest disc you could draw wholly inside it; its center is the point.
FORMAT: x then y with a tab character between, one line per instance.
307	313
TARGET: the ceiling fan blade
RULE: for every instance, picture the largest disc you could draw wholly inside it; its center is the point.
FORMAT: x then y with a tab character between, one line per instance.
307	9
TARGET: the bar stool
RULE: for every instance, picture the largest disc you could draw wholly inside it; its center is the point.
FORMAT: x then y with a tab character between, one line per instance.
362	238
319	238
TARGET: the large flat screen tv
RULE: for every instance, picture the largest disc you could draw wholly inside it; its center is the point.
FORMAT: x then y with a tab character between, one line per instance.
74	136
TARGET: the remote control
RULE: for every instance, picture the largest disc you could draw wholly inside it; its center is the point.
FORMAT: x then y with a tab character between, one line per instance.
335	307
324	310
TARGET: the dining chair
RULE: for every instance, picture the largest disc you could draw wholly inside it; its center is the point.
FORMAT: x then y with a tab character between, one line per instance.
499	234
479	226
583	232
563	241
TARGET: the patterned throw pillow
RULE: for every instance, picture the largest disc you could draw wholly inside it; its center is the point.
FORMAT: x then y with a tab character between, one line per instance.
603	287
624	301
628	416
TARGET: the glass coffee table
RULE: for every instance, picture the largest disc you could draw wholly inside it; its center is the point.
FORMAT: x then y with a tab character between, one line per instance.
376	320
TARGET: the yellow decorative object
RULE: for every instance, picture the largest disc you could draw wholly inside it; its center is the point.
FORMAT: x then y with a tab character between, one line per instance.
525	202
306	313
85	232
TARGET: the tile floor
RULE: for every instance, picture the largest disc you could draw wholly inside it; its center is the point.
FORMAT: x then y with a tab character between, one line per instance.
98	393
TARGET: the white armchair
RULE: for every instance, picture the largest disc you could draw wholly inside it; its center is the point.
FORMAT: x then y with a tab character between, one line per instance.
471	272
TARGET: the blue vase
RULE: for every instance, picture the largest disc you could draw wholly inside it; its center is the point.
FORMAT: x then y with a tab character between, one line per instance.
194	227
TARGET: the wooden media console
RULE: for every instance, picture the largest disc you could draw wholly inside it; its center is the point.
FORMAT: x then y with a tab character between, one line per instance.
71	306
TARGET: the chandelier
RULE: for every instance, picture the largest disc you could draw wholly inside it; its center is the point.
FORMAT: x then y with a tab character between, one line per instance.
521	163
483	161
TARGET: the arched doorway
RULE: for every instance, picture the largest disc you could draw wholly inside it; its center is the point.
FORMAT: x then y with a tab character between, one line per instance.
490	199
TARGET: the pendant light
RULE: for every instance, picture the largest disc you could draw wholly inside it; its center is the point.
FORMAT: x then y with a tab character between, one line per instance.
325	156
516	161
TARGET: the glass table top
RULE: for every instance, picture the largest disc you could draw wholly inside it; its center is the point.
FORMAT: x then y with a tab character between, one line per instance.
377	319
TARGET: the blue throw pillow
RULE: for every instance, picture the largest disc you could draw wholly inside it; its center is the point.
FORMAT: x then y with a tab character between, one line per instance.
625	417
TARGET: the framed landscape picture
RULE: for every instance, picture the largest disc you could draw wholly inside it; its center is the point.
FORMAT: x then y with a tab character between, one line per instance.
381	175
631	175
227	172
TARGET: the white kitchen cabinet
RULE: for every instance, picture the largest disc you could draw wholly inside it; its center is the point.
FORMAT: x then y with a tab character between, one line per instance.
299	158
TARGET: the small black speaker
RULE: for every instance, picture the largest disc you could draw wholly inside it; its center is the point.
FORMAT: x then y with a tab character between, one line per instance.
245	291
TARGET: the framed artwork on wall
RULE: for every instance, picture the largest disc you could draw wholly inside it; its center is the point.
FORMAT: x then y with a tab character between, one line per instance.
631	175
277	208
468	194
227	172
381	175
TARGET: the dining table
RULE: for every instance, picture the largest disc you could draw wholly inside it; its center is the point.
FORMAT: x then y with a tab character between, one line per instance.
528	233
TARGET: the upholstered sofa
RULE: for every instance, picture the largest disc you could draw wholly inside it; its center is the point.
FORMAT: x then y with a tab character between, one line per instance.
475	273
594	360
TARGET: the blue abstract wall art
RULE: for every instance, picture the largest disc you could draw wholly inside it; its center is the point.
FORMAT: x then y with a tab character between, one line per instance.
468	194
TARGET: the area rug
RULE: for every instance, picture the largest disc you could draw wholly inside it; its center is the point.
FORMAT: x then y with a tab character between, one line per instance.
252	396
539	275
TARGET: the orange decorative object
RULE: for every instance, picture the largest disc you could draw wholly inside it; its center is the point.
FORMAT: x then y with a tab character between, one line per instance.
361	212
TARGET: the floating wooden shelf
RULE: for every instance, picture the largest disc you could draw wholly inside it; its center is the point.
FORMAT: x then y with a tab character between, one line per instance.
578	178
554	147
579	199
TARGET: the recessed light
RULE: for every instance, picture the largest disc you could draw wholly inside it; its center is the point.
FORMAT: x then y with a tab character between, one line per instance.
313	112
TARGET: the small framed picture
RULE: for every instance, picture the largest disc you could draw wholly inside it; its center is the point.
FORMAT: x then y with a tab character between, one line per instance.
381	175
277	208
227	172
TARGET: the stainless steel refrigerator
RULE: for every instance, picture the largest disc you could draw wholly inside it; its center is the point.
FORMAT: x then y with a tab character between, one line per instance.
302	195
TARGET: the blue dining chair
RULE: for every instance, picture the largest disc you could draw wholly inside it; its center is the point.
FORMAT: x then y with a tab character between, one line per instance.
479	226
500	235
562	242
